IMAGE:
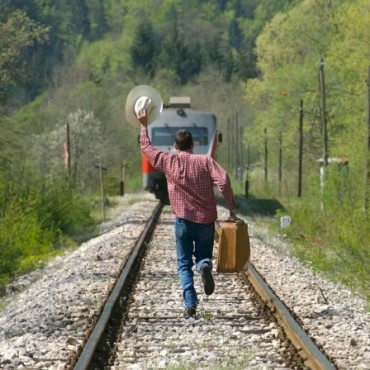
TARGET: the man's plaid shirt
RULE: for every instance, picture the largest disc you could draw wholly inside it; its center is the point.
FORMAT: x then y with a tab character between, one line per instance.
190	181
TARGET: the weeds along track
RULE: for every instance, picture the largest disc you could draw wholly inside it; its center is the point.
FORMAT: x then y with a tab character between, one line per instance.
234	328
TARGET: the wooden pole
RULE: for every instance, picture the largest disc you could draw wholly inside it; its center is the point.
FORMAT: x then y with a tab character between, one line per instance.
280	161
247	175
229	133
241	155
266	155
232	151
101	169
249	156
236	145
324	127
300	149
367	168
102	191
122	183
68	150
324	132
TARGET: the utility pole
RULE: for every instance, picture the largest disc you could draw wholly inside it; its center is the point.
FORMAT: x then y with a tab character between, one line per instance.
122	182
67	151
229	142
247	175
324	131
324	127
367	169
280	161
300	149
266	154
102	191
101	169
237	141
241	155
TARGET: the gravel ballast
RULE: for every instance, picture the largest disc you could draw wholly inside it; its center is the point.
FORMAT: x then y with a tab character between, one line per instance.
48	312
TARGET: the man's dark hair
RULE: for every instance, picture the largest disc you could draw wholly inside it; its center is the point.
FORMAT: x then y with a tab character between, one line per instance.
184	139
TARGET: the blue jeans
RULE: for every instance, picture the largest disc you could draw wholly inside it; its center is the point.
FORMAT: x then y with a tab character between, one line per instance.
192	239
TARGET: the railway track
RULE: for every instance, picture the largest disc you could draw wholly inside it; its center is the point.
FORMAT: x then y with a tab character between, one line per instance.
235	328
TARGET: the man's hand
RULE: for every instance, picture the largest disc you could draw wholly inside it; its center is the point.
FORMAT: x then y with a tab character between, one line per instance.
142	116
232	214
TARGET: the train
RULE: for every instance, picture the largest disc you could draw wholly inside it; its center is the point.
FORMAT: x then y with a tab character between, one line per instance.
176	115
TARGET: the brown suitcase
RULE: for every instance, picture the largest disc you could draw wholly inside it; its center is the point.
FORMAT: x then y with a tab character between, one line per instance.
233	246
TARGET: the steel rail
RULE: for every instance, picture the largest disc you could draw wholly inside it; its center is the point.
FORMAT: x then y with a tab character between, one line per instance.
89	349
312	356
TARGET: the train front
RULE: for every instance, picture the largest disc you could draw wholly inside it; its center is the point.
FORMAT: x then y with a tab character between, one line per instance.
178	115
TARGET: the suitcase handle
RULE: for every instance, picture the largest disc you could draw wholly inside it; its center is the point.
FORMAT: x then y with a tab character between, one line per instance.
235	219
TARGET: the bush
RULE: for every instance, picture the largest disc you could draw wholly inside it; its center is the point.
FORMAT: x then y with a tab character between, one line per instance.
63	209
37	223
23	239
334	240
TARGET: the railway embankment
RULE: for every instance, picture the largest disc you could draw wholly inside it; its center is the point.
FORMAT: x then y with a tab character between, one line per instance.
46	314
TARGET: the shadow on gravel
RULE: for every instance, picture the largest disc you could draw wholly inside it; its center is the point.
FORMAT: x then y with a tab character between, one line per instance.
253	207
258	207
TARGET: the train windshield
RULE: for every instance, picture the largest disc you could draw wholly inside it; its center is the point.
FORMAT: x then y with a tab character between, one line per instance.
166	135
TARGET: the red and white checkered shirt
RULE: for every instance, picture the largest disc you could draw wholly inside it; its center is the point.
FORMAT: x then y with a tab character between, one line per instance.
190	180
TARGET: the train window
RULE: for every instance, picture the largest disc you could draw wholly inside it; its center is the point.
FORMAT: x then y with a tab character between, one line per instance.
166	135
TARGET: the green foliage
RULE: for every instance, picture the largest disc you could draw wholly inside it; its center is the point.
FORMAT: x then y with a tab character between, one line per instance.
38	117
289	70
144	48
36	224
104	59
330	226
18	34
105	35
63	209
335	241
23	239
96	22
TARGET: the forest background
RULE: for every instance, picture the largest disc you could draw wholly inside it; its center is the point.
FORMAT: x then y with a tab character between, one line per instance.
287	80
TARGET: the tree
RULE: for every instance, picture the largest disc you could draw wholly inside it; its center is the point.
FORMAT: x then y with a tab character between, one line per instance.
86	148
97	19
19	34
177	55
347	65
213	54
144	48
246	61
288	67
79	21
235	34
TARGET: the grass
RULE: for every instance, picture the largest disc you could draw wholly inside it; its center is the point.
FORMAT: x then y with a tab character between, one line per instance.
334	241
206	315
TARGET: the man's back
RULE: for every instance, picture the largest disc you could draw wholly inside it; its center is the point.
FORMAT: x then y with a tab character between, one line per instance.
190	187
190	180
